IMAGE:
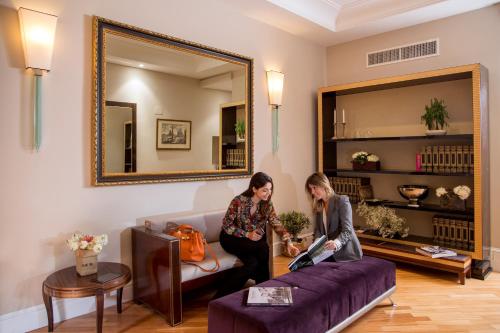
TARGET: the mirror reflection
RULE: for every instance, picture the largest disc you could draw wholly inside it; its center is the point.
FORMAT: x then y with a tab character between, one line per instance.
185	102
168	109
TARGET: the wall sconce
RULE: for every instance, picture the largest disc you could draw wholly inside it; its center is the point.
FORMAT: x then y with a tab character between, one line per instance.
275	88
38	31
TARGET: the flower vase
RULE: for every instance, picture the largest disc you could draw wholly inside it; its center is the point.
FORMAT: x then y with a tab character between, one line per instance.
86	262
452	203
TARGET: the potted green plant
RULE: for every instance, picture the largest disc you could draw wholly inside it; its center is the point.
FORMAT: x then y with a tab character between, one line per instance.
295	222
239	127
435	117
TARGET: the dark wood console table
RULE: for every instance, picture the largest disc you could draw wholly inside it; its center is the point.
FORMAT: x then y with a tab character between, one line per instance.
66	283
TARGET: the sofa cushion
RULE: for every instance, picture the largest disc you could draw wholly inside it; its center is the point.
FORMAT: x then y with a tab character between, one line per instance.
226	260
209	224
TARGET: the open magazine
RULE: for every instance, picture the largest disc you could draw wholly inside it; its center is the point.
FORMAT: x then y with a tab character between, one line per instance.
315	253
269	296
435	251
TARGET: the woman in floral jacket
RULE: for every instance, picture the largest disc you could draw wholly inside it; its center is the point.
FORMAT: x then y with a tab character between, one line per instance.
243	233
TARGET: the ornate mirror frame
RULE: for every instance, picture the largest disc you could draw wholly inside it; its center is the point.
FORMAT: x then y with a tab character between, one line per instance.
101	26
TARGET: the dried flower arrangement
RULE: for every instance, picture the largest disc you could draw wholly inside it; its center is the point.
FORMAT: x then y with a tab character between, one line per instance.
384	220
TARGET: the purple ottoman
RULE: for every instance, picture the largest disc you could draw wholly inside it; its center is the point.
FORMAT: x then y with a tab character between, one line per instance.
329	295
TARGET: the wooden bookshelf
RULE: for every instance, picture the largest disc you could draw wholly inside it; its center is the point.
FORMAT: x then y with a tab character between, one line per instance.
330	144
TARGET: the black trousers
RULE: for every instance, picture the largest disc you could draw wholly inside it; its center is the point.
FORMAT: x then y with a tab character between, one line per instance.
255	258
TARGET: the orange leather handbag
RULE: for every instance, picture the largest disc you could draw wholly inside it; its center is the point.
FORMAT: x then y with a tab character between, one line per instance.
193	246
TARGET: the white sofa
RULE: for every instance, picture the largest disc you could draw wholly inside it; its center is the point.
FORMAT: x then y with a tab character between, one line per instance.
160	277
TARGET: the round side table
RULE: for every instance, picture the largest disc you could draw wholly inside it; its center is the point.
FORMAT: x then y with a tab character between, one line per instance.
66	283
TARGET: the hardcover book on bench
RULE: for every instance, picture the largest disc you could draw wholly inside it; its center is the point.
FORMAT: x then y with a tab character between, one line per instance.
315	253
269	296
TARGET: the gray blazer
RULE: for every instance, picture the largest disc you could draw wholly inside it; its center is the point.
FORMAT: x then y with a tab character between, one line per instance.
340	229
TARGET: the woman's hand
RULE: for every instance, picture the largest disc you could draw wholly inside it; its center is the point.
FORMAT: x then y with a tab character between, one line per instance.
330	245
254	235
292	249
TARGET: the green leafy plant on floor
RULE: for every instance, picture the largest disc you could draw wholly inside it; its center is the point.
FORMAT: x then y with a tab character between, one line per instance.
435	115
294	222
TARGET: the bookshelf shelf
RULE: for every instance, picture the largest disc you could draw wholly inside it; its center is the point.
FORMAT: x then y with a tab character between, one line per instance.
468	213
451	137
411	240
370	104
400	172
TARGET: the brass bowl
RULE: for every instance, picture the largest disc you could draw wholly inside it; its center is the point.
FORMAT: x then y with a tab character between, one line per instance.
413	193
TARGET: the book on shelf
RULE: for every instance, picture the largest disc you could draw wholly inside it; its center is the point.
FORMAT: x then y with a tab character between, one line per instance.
269	296
315	253
436	251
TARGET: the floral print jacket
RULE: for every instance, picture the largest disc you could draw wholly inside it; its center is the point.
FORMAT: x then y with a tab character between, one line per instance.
239	222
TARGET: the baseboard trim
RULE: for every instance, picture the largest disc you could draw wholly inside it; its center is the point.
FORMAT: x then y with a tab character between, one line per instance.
64	308
495	259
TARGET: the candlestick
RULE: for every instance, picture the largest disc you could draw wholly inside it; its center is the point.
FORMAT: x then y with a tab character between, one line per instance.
334	116
343	116
343	130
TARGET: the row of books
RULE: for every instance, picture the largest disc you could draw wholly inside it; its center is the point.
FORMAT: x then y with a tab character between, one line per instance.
447	159
453	232
356	188
235	157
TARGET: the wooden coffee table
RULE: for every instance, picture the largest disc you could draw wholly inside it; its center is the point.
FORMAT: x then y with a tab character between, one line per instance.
66	283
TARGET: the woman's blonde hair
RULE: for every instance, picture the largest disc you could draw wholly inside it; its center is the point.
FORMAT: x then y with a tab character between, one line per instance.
319	179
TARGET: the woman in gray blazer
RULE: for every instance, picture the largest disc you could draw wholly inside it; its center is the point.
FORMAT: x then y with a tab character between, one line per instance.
333	218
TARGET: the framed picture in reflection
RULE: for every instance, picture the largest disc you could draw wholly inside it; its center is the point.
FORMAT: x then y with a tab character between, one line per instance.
173	134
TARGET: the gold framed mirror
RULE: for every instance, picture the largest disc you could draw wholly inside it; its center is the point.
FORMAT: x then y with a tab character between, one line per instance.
166	109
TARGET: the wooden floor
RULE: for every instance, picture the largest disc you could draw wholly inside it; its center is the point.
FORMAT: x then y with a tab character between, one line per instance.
427	301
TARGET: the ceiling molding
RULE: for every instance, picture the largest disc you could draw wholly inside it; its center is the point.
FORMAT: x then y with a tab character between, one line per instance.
330	22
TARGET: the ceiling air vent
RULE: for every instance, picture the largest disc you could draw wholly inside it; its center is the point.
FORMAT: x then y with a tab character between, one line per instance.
428	48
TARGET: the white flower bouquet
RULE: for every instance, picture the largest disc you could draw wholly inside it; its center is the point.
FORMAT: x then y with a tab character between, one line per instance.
80	241
453	198
363	157
363	160
461	191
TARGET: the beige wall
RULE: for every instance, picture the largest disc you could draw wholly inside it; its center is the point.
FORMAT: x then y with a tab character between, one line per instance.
464	39
175	97
46	196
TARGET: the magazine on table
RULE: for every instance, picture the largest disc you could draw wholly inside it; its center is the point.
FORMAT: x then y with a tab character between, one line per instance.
315	253
269	296
436	251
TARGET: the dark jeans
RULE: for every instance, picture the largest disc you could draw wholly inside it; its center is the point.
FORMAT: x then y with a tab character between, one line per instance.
255	258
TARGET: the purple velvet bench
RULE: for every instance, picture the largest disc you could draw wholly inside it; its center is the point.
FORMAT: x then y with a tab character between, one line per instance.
326	297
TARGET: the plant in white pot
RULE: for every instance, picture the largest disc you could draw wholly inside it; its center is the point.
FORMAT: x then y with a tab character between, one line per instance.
435	117
295	222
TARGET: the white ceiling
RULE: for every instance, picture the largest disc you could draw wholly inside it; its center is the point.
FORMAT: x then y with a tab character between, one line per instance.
330	22
141	54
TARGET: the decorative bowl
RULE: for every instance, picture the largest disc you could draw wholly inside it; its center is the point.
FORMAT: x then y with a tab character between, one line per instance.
413	193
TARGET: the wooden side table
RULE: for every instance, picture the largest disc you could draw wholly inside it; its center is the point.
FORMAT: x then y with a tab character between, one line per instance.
66	283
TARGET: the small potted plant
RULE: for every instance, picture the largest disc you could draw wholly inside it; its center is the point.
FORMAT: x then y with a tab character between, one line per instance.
239	127
435	117
362	160
295	222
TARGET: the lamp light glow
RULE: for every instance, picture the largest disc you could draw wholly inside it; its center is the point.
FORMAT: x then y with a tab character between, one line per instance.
37	32
275	88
